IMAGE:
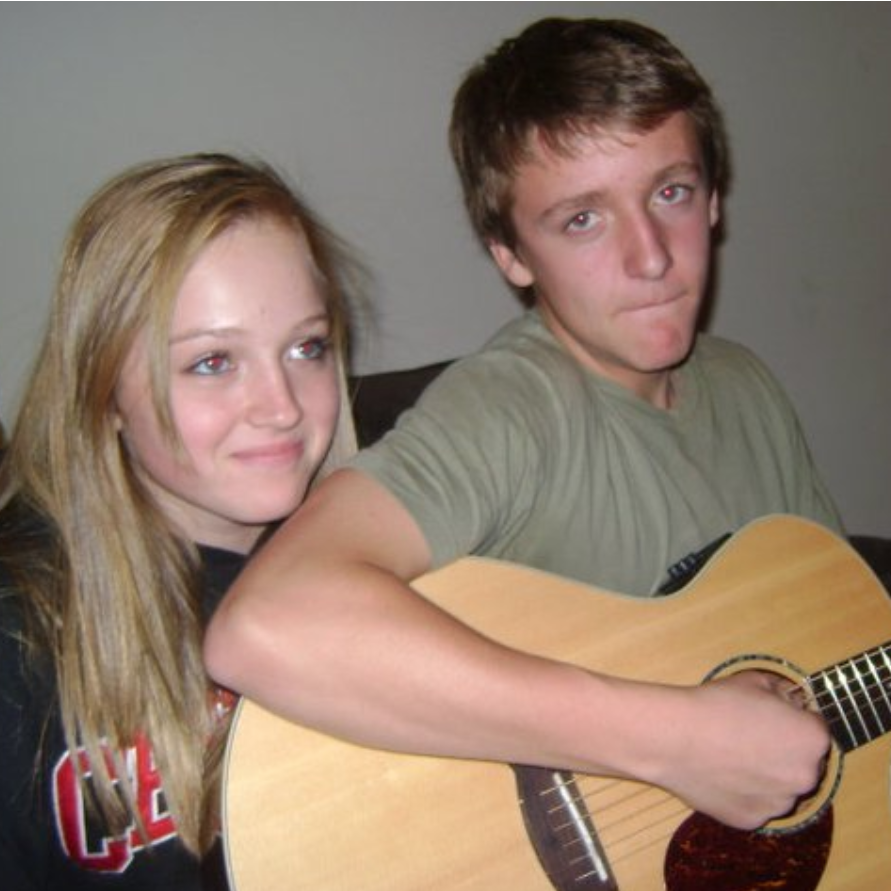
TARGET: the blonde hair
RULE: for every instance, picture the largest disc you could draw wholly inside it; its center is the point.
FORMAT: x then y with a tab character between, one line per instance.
111	592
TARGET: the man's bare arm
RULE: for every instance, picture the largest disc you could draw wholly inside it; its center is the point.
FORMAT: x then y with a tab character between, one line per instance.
323	628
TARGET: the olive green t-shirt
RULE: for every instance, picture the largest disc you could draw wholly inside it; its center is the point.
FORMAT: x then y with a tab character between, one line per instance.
519	453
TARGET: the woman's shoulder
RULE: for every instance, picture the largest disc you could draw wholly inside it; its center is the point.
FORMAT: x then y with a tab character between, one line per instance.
25	540
24	551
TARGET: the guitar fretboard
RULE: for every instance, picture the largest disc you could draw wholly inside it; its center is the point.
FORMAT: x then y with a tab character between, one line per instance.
854	697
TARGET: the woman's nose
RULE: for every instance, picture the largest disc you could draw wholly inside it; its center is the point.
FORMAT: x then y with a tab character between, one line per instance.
274	400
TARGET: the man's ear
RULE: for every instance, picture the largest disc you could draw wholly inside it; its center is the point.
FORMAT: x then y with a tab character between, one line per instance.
714	208
511	266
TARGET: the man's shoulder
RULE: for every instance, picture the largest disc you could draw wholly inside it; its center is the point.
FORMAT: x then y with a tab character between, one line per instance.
715	348
521	354
730	370
718	358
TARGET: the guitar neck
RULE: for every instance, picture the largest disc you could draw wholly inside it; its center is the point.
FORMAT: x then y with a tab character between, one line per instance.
854	696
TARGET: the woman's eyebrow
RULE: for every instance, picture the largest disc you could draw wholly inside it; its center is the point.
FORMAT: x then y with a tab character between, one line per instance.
226	330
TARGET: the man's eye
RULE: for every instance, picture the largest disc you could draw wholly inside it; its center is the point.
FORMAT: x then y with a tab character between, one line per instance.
675	193
314	348
215	363
582	222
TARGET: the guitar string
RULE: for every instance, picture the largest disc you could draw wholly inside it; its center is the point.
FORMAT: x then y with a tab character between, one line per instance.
611	816
834	679
865	675
847	683
663	813
613	819
628	846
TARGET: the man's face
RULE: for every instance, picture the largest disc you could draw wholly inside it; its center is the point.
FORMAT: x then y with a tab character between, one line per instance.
615	241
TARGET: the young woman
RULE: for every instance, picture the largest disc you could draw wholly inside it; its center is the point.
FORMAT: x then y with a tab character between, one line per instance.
189	389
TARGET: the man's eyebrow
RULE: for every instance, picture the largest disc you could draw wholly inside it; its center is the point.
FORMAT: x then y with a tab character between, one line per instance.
681	168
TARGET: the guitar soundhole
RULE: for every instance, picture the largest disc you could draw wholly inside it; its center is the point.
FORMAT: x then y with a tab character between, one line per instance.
705	855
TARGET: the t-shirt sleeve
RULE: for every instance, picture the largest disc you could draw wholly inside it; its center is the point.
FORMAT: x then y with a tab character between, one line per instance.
460	460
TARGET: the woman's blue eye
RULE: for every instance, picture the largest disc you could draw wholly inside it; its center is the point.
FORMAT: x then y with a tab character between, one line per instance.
216	363
314	348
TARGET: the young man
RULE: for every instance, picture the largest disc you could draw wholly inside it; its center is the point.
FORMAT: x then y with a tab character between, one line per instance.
598	436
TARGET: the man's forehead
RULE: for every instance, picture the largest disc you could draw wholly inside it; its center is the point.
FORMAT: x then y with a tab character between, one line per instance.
577	139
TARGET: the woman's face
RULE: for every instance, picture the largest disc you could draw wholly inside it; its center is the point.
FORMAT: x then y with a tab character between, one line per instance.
254	389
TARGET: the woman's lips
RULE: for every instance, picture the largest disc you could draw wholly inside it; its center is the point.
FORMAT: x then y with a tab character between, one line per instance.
273	455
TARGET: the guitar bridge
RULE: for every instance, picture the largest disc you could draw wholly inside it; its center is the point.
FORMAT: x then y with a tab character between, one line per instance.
560	829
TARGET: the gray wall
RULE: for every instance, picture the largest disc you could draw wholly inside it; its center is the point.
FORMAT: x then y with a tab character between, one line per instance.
351	100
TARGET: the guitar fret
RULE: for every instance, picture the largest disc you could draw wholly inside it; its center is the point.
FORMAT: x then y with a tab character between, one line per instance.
854	697
883	684
866	710
841	712
878	704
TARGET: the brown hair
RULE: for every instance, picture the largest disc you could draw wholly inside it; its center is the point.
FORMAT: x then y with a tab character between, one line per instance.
561	78
112	594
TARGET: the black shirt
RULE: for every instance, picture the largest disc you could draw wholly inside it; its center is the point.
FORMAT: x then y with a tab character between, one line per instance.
46	841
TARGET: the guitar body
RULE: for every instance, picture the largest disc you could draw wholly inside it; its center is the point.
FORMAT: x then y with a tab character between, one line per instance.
302	810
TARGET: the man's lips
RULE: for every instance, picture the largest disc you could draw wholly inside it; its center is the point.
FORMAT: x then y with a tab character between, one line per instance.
656	303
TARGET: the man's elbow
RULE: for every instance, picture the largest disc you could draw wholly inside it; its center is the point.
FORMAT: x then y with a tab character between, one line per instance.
233	646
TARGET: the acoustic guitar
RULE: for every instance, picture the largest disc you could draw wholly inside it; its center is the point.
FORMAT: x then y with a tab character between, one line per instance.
302	810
